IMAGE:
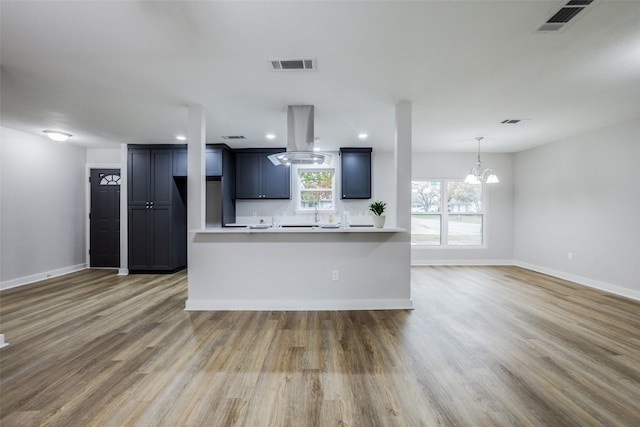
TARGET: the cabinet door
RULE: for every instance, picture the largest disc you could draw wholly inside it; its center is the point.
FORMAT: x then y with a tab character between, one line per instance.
248	175
356	173
161	242
161	177
228	188
213	161
276	180
180	160
139	177
139	255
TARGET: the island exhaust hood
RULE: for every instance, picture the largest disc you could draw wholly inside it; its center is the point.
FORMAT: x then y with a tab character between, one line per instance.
300	139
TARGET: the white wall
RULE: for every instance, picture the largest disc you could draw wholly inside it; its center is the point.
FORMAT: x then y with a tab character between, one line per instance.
103	155
580	195
498	247
42	222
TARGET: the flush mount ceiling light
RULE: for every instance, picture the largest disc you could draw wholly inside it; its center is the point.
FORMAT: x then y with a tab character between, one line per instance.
478	175
57	135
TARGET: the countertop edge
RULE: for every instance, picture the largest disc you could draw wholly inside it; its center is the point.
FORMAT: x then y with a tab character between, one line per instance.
240	230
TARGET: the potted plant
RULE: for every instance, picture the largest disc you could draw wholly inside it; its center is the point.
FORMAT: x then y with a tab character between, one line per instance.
378	208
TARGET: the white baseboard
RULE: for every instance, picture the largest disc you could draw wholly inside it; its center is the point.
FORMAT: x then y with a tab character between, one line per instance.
297	305
2	341
603	286
123	272
428	262
41	276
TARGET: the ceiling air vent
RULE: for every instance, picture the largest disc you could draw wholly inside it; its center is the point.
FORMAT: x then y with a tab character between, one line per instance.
233	137
511	121
563	15
293	64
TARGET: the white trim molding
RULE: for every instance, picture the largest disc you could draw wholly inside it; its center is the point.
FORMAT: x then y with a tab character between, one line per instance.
41	276
603	286
298	305
461	262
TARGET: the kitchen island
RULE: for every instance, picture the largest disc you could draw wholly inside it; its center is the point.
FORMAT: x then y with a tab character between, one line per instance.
298	268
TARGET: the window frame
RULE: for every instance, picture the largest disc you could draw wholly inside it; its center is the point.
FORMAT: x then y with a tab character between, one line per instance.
299	189
444	217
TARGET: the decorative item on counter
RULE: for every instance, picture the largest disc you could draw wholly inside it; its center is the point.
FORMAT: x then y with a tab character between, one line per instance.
378	208
346	219
330	219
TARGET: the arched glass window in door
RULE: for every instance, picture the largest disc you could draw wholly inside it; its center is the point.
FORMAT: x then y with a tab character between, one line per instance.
109	179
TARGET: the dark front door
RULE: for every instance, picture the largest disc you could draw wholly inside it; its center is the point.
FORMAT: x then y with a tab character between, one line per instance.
104	250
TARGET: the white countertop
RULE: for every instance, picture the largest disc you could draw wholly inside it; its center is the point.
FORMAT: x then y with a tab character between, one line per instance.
245	230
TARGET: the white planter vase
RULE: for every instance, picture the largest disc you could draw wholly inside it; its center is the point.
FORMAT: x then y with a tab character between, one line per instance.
378	221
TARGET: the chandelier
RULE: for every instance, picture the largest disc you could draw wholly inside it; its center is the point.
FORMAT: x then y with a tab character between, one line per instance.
477	175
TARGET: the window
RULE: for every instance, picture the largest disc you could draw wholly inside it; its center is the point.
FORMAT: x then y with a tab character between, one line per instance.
458	223
316	190
109	179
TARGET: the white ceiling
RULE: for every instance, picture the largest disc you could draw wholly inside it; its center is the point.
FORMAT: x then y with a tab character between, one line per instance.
125	71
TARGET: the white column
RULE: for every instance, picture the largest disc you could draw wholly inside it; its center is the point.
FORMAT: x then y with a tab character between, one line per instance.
124	211
197	133
403	164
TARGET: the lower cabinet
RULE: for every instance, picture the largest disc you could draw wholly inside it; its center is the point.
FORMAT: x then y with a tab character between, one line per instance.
157	239
149	238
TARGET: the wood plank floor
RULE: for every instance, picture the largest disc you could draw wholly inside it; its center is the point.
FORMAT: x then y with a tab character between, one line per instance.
485	346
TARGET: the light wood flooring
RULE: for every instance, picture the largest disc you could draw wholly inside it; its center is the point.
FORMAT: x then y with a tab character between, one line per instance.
485	346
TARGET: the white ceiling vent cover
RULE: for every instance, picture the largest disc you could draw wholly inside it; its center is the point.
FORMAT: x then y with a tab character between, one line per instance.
563	16
292	64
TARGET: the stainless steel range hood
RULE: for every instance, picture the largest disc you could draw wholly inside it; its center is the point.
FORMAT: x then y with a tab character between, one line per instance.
300	139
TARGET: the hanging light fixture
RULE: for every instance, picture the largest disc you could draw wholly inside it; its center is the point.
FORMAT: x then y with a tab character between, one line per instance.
477	175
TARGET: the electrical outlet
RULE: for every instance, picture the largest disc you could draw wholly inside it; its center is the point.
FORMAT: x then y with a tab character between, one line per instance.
255	213
334	275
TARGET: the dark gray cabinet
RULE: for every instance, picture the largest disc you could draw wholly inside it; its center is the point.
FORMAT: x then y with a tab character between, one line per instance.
157	211
228	187
355	169
258	178
180	161
213	161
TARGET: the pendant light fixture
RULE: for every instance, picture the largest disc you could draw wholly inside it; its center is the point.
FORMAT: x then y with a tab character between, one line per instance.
477	175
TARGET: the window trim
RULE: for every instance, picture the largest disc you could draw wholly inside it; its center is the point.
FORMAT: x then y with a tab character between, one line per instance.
298	200
444	223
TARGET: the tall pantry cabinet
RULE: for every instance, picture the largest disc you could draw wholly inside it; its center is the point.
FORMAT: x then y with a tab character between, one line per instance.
157	211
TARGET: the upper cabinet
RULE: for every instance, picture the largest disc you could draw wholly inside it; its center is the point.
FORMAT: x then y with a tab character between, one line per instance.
258	178
150	178
356	173
213	161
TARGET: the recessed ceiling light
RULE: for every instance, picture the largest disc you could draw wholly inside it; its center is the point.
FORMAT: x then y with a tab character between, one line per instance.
362	135
270	136
56	135
181	138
